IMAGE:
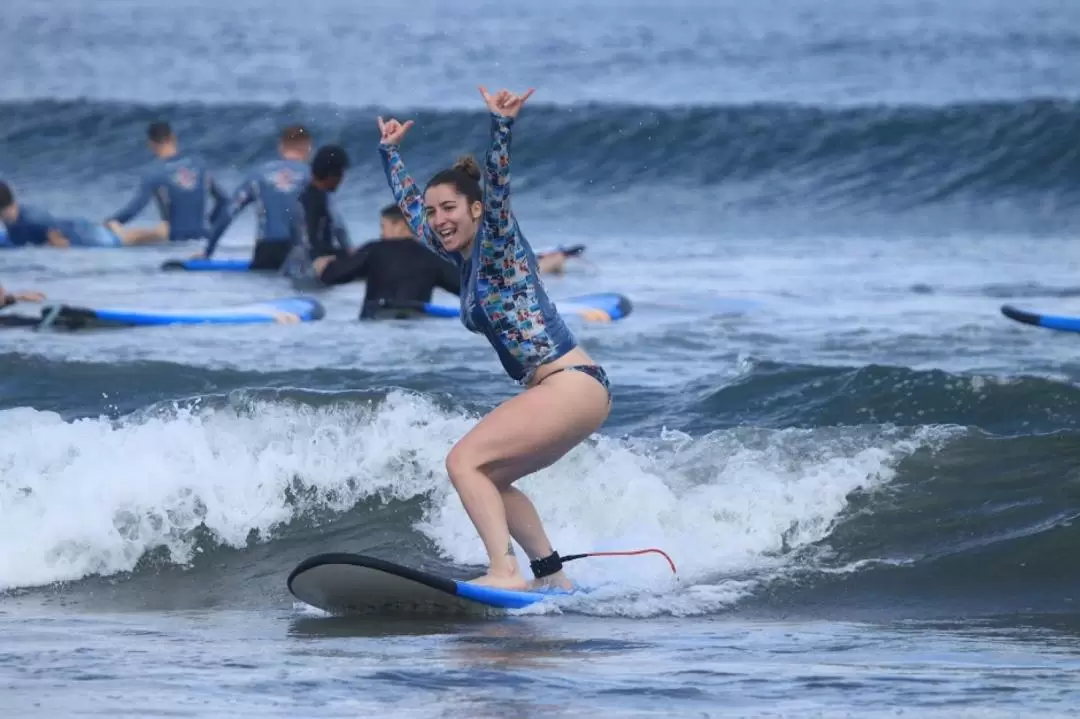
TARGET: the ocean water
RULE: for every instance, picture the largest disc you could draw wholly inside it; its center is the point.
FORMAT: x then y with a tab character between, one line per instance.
868	478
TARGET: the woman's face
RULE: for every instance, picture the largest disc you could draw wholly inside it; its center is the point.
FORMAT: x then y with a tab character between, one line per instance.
452	218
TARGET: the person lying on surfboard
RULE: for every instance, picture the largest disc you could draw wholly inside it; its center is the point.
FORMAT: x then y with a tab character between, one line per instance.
567	396
31	226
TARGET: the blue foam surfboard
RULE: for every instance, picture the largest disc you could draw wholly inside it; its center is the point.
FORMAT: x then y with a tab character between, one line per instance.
341	583
305	308
1062	323
235	265
598	306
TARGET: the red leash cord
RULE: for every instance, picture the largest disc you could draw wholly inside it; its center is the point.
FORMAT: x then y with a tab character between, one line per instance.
623	554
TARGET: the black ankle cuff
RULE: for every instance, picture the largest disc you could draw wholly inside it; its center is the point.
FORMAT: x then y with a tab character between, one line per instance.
546	566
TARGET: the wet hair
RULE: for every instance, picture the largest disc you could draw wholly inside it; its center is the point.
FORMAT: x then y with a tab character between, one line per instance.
295	135
330	161
392	212
158	132
7	197
464	176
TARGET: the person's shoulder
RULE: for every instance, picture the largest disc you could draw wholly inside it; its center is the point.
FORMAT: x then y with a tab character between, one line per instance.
33	215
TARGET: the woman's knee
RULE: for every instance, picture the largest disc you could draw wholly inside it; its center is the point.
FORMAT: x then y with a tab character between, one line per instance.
461	462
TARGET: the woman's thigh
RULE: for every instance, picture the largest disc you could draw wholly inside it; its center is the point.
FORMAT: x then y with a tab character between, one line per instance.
533	430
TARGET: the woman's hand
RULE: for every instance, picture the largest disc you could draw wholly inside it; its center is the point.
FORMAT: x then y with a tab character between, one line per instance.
504	102
393	132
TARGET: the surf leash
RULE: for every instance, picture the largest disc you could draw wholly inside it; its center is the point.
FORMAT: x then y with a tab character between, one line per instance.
627	553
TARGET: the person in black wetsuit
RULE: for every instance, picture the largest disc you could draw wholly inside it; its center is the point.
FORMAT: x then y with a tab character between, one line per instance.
323	236
401	273
326	233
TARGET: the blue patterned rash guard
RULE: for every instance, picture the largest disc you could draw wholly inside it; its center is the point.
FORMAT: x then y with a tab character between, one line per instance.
502	295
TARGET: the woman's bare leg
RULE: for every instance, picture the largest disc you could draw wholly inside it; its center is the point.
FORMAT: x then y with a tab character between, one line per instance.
519	437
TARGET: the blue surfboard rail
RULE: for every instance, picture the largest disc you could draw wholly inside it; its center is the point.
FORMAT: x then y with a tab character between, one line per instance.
435	310
501	598
1061	323
234	265
306	309
597	306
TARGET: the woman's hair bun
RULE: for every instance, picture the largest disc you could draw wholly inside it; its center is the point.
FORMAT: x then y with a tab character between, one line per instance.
468	165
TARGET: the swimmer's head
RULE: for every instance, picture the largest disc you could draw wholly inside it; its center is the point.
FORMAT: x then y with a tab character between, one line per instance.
9	211
392	224
295	143
328	167
453	205
160	139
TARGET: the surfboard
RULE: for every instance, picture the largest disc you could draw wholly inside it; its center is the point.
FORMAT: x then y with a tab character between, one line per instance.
1061	323
596	307
306	309
341	583
16	321
234	265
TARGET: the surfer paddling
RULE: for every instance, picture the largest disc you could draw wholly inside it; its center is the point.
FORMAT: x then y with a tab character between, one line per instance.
566	394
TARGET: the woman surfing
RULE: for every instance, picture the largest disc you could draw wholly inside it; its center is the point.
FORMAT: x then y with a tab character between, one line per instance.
566	394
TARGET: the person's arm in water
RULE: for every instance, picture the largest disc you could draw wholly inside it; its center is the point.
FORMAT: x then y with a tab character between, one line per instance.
10	299
135	205
497	213
240	199
56	238
406	194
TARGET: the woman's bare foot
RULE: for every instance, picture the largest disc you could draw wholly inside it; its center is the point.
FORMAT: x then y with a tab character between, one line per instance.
514	581
558	580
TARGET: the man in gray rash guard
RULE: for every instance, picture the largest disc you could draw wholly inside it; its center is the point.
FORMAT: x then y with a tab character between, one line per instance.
180	185
274	187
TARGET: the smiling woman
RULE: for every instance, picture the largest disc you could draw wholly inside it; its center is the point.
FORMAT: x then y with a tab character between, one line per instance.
567	396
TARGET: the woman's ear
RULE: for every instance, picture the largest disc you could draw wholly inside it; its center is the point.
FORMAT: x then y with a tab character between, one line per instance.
477	211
